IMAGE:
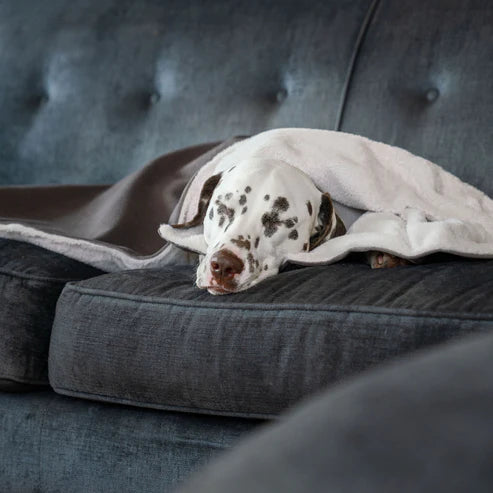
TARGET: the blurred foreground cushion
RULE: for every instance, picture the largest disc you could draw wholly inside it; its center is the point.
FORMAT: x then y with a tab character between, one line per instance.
424	424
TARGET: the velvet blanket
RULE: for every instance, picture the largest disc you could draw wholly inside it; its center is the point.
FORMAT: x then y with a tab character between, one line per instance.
111	227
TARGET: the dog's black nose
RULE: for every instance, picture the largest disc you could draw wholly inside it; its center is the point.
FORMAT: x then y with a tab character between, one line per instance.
225	264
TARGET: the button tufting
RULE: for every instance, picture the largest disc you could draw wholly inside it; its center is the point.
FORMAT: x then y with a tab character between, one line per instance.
43	99
281	95
432	94
154	98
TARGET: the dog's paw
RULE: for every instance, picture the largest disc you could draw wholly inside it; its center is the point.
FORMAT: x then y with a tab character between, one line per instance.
381	260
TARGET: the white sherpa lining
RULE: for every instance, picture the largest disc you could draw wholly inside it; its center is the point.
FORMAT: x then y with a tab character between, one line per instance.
412	206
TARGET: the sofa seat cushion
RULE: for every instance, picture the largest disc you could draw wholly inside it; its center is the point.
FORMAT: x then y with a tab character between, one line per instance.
150	338
31	279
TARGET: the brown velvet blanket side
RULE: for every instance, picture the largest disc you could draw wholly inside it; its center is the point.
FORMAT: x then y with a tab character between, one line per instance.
125	215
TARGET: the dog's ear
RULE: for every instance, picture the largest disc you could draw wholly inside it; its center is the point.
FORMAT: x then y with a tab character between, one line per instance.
329	224
205	198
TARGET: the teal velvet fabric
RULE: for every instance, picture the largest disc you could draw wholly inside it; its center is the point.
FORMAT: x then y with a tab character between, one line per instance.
54	444
92	90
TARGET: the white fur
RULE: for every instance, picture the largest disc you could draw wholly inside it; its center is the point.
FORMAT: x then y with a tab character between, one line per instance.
261	178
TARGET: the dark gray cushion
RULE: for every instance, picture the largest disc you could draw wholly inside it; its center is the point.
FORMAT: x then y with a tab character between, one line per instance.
150	338
55	444
423	425
31	279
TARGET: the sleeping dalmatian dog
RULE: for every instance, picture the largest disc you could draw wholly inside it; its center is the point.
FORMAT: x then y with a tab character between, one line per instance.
255	213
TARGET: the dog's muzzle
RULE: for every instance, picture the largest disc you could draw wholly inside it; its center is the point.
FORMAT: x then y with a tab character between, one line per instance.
224	267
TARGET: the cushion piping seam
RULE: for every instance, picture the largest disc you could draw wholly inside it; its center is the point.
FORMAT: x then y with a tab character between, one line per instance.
13	379
53	280
170	407
276	307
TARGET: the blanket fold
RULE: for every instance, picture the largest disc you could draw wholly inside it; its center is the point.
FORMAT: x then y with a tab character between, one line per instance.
111	227
397	202
403	204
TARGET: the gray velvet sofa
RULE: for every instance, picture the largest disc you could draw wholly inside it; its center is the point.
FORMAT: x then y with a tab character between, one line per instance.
131	381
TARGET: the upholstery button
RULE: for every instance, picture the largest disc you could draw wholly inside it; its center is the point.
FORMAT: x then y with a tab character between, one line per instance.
432	94
281	95
154	98
43	99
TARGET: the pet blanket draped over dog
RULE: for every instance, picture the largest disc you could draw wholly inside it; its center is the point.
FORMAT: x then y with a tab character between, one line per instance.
393	201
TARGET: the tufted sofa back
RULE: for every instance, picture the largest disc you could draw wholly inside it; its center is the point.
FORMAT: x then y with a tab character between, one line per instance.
93	89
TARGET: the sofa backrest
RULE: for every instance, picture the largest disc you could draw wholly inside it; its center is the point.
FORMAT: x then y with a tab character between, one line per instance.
93	89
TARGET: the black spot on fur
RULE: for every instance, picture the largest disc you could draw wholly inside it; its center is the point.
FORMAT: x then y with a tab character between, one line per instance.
266	267
281	204
305	246
256	263
293	235
250	263
248	189
266	197
244	209
242	199
224	213
309	207
257	241
270	222
240	242
228	196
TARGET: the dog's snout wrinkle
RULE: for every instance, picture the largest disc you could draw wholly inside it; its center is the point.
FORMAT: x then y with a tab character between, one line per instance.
225	265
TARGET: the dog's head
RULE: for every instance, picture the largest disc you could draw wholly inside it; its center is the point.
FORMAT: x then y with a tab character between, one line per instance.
254	214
